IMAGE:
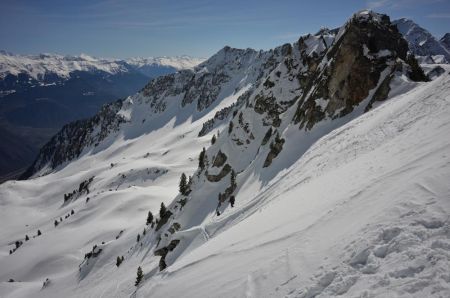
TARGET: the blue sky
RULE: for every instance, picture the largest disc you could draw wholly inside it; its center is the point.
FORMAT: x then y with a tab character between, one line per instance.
119	28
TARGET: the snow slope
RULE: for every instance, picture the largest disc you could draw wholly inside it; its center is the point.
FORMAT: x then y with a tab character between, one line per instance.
363	213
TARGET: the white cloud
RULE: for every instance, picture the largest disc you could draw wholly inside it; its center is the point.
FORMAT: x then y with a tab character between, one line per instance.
397	4
439	15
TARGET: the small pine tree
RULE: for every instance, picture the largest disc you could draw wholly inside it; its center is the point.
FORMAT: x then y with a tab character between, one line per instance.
230	127
213	140
144	232
183	184
72	212
233	177
149	218
162	210
39	233
56	222
138	237
27	238
232	199
201	159
139	276
118	261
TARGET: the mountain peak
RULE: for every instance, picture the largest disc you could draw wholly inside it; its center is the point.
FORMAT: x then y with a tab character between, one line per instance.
420	41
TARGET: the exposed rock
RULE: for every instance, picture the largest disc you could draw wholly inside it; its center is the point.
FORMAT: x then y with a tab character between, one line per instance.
220	159
163	220
216	178
275	148
368	41
164	251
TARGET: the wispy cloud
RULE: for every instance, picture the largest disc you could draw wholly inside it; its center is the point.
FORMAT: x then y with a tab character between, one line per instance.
377	4
397	4
439	15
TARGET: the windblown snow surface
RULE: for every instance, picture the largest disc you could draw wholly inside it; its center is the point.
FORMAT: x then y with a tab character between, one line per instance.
363	213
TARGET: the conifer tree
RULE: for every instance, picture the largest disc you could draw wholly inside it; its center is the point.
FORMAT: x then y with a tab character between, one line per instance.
27	238
138	237
230	127
149	218
162	210
118	261
139	276
39	233
213	140
183	184
201	159
233	178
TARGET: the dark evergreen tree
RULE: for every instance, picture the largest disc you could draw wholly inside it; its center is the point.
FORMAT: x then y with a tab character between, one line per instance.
72	212
139	276
56	222
39	233
183	184
201	159
230	127
162	210
232	201
213	140
138	237
233	178
27	238
149	218
119	261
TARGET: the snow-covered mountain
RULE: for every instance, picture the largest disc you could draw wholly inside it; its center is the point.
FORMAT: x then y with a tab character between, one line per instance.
40	93
423	43
156	66
316	169
445	41
39	66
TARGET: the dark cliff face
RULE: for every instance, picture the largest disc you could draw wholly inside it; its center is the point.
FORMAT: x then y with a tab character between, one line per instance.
369	44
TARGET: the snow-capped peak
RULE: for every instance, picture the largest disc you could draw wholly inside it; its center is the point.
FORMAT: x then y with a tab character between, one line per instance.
420	41
38	66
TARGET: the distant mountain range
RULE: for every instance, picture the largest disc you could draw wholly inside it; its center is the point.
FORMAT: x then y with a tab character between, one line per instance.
423	43
40	93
